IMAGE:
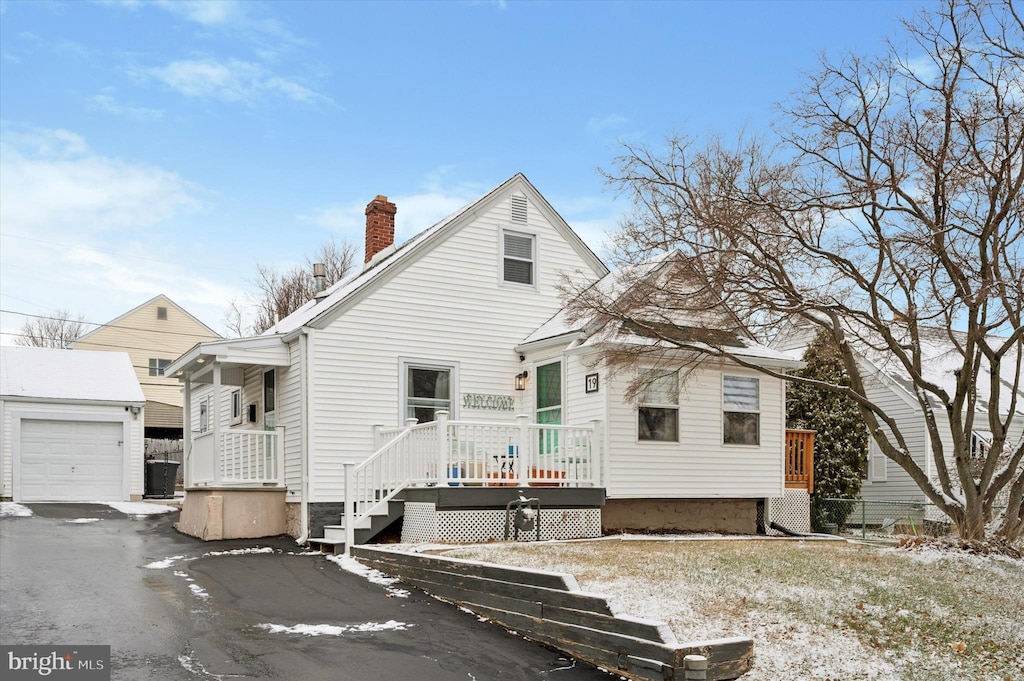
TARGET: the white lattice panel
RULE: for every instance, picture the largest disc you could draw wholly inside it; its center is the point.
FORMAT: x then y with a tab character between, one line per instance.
423	523
792	511
419	523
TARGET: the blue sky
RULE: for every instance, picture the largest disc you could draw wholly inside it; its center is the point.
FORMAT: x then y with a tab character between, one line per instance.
167	147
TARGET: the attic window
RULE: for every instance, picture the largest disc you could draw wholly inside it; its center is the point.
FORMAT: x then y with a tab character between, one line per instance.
518	210
517	258
161	312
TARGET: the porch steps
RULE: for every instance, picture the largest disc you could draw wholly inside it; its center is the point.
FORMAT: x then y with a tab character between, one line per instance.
333	540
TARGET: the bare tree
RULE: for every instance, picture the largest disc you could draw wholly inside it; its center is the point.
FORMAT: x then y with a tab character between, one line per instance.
279	294
57	330
887	211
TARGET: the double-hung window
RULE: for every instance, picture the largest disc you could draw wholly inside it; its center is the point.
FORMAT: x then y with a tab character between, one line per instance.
157	366
428	391
519	257
658	406
741	410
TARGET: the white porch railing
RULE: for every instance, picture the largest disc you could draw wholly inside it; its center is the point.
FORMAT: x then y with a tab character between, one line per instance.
243	457
469	453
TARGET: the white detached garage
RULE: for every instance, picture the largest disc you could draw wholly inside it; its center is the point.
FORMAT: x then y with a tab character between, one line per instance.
71	426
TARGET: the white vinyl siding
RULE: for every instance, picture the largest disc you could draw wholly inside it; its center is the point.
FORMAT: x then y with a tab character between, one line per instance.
700	465
449	304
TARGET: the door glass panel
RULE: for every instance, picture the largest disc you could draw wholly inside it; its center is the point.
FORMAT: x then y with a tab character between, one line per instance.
549	404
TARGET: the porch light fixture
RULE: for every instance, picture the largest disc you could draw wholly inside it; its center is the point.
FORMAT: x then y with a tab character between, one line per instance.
521	380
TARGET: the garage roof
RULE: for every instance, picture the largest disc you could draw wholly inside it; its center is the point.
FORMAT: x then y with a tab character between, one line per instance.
43	373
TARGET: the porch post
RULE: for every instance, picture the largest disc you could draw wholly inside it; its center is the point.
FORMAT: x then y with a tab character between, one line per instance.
186	432
525	447
596	451
218	453
442	447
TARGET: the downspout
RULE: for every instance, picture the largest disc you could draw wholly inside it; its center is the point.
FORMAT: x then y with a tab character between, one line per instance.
307	439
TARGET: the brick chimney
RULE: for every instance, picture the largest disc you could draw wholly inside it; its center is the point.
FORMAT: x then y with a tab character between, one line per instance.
380	225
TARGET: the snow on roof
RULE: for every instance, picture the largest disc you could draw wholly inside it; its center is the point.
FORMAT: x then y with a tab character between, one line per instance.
68	375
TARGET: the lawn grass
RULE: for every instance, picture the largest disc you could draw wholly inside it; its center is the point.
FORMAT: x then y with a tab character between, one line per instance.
816	610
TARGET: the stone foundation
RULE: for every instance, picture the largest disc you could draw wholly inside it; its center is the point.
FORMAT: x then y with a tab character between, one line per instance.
729	516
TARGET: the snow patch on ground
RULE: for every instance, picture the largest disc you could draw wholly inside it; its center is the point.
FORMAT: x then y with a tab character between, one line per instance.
333	629
350	564
161	564
82	521
240	552
138	507
9	509
198	590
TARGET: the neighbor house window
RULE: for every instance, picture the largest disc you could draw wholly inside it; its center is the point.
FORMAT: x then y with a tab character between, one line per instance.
741	406
236	406
658	406
518	255
157	366
204	415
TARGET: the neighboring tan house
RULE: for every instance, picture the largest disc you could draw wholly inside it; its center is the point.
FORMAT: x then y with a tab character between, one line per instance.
440	379
153	334
70	426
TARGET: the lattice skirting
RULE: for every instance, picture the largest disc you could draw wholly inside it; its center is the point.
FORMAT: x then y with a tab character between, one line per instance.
792	511
424	523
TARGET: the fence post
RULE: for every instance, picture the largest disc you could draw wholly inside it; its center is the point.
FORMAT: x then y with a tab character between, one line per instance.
863	519
524	450
350	502
442	447
696	668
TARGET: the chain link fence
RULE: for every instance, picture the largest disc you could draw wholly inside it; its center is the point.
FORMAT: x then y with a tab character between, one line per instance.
870	518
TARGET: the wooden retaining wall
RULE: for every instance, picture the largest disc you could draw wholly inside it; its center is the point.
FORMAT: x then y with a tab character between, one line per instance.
550	608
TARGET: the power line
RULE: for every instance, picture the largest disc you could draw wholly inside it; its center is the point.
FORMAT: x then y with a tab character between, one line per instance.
116	346
109	326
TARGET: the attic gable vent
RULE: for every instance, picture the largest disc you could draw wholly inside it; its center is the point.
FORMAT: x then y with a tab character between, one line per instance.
518	209
161	312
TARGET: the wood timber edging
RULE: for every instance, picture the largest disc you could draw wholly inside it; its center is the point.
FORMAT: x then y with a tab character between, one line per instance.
551	608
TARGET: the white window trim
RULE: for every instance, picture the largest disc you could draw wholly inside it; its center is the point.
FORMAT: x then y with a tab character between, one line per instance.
454	393
205	402
655	405
733	410
501	257
878	463
236	404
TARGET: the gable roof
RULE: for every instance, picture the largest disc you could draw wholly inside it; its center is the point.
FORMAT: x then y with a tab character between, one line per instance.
697	332
87	375
320	311
161	296
940	358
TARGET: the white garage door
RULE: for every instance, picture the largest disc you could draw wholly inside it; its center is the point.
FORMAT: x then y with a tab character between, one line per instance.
71	460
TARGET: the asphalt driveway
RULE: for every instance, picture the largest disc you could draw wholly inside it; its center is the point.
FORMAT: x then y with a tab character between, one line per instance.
170	610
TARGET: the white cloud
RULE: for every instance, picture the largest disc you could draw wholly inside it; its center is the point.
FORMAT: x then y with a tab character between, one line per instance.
205	12
605	123
54	183
232	80
94	234
416	211
107	103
